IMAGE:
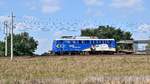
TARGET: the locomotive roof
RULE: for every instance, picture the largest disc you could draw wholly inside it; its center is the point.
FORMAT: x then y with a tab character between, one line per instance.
85	39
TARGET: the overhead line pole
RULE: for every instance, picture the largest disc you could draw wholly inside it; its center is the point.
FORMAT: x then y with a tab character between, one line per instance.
6	35
12	27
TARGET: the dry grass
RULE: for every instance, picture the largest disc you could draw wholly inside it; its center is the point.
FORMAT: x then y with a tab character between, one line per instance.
76	70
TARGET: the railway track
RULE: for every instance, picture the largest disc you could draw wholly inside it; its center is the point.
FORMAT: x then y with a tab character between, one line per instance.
105	55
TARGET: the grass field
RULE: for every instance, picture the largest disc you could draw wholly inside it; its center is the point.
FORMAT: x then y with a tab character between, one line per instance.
125	69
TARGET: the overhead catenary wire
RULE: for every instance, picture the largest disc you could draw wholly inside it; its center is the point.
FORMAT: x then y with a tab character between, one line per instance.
63	24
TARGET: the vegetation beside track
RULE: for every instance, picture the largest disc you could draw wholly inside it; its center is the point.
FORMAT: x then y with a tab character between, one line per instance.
73	69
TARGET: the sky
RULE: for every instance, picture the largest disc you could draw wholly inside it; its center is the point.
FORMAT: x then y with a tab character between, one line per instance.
47	20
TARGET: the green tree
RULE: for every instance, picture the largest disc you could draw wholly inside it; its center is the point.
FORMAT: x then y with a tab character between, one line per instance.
2	48
107	32
148	46
24	45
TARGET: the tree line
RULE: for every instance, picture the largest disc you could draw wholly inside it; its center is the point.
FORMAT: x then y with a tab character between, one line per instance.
107	32
24	45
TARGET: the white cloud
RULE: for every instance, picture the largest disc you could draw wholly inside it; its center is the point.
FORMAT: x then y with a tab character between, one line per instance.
93	2
4	18
44	6
138	4
93	7
144	28
50	6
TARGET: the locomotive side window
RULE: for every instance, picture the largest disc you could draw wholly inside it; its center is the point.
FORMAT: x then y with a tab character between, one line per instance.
95	42
105	42
100	42
80	42
109	42
92	42
76	41
71	42
86	42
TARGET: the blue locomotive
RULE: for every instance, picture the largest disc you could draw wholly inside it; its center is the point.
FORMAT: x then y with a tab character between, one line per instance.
83	45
